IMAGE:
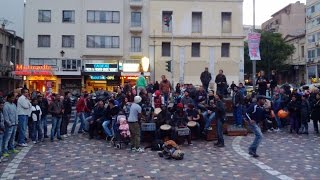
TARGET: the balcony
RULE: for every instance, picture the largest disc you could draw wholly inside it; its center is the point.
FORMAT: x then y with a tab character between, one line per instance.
136	27
136	4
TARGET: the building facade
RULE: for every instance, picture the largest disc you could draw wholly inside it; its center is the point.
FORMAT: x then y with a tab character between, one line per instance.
195	35
313	40
11	53
88	45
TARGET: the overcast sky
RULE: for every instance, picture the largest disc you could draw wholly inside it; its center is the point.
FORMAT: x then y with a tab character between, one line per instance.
264	9
13	11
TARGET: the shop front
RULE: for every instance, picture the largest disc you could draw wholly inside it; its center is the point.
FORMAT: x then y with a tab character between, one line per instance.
38	78
71	84
131	72
101	76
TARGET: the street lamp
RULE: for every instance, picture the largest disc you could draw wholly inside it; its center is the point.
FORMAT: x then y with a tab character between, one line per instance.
145	64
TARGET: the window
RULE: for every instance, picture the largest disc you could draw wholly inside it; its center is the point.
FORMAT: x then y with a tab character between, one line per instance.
195	50
43	40
103	16
311	54
226	22
167	15
318	52
166	49
44	16
68	41
312	9
1	52
311	38
41	61
7	53
196	22
68	16
17	56
302	51
135	44
225	50
103	41
71	64
136	19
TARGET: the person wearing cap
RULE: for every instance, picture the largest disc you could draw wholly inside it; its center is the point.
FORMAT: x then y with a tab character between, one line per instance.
134	126
254	115
157	100
237	101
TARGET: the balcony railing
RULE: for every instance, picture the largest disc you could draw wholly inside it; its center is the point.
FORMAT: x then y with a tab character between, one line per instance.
136	4
136	24
135	49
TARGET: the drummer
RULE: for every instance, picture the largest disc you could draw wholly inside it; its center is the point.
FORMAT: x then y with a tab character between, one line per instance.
164	117
180	120
193	115
157	100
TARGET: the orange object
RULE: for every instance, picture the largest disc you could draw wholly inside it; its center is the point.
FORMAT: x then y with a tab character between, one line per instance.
283	114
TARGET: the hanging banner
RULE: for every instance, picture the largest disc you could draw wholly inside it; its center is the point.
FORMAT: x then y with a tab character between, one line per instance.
253	44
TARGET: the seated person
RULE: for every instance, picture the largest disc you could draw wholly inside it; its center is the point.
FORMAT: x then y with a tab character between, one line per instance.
164	117
180	120
96	120
111	111
193	115
147	112
186	99
157	100
209	116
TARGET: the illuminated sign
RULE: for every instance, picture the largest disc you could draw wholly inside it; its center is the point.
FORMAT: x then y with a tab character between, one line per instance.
102	77
131	67
30	70
101	68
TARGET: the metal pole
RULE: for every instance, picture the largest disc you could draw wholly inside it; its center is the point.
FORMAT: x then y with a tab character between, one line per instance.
154	57
172	53
254	63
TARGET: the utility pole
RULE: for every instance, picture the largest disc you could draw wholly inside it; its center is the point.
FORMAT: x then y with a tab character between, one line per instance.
172	53
154	56
254	62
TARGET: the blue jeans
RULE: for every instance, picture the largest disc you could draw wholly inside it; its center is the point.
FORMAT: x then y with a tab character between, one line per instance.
237	114
220	131
278	120
258	137
37	131
56	123
106	128
208	119
87	123
1	141
44	124
81	116
8	140
23	122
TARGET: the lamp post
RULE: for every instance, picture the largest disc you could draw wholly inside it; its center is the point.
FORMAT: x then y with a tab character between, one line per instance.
145	61
254	62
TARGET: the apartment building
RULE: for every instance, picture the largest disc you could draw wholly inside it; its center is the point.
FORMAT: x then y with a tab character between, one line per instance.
199	34
90	45
313	40
11	53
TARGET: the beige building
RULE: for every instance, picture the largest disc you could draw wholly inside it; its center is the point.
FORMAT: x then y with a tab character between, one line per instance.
313	40
204	33
11	53
290	20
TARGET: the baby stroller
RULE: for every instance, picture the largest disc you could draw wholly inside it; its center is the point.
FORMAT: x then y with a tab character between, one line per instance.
121	132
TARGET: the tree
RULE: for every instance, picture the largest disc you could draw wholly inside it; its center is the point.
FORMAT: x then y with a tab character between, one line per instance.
272	48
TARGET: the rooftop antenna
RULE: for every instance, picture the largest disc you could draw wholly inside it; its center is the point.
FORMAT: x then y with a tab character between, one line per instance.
4	22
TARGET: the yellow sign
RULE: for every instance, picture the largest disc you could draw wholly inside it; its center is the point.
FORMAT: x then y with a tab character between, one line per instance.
42	78
136	57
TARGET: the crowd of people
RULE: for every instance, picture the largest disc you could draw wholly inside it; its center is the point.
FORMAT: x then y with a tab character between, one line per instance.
182	113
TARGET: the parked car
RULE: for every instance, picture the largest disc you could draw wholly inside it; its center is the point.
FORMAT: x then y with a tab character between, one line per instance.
309	87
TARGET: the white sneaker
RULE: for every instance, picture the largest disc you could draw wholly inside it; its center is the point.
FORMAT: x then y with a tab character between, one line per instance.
34	142
209	128
140	150
23	145
277	130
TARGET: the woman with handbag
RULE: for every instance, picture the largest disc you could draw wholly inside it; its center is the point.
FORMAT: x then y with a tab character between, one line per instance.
315	114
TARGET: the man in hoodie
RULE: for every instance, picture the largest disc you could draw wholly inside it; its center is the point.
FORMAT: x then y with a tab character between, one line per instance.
141	83
23	111
10	121
56	109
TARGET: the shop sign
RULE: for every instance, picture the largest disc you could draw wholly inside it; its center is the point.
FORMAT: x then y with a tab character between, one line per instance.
30	70
101	68
102	77
136	57
131	67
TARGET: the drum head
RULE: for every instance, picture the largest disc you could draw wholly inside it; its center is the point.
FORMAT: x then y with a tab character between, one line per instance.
191	124
157	111
165	127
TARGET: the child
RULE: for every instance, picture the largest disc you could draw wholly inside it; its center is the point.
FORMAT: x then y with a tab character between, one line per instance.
36	121
2	128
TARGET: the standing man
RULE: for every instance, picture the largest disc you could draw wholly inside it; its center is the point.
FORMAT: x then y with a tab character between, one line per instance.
255	114
220	115
237	101
205	79
10	122
221	81
141	83
273	81
80	107
44	105
23	111
66	114
262	83
134	116
165	88
56	110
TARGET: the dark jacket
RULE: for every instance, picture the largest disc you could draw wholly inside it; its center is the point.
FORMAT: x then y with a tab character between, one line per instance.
179	120
55	108
237	99
294	107
44	105
2	127
205	77
164	117
273	81
221	80
220	110
315	115
67	106
111	112
256	113
201	96
262	82
99	113
305	110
